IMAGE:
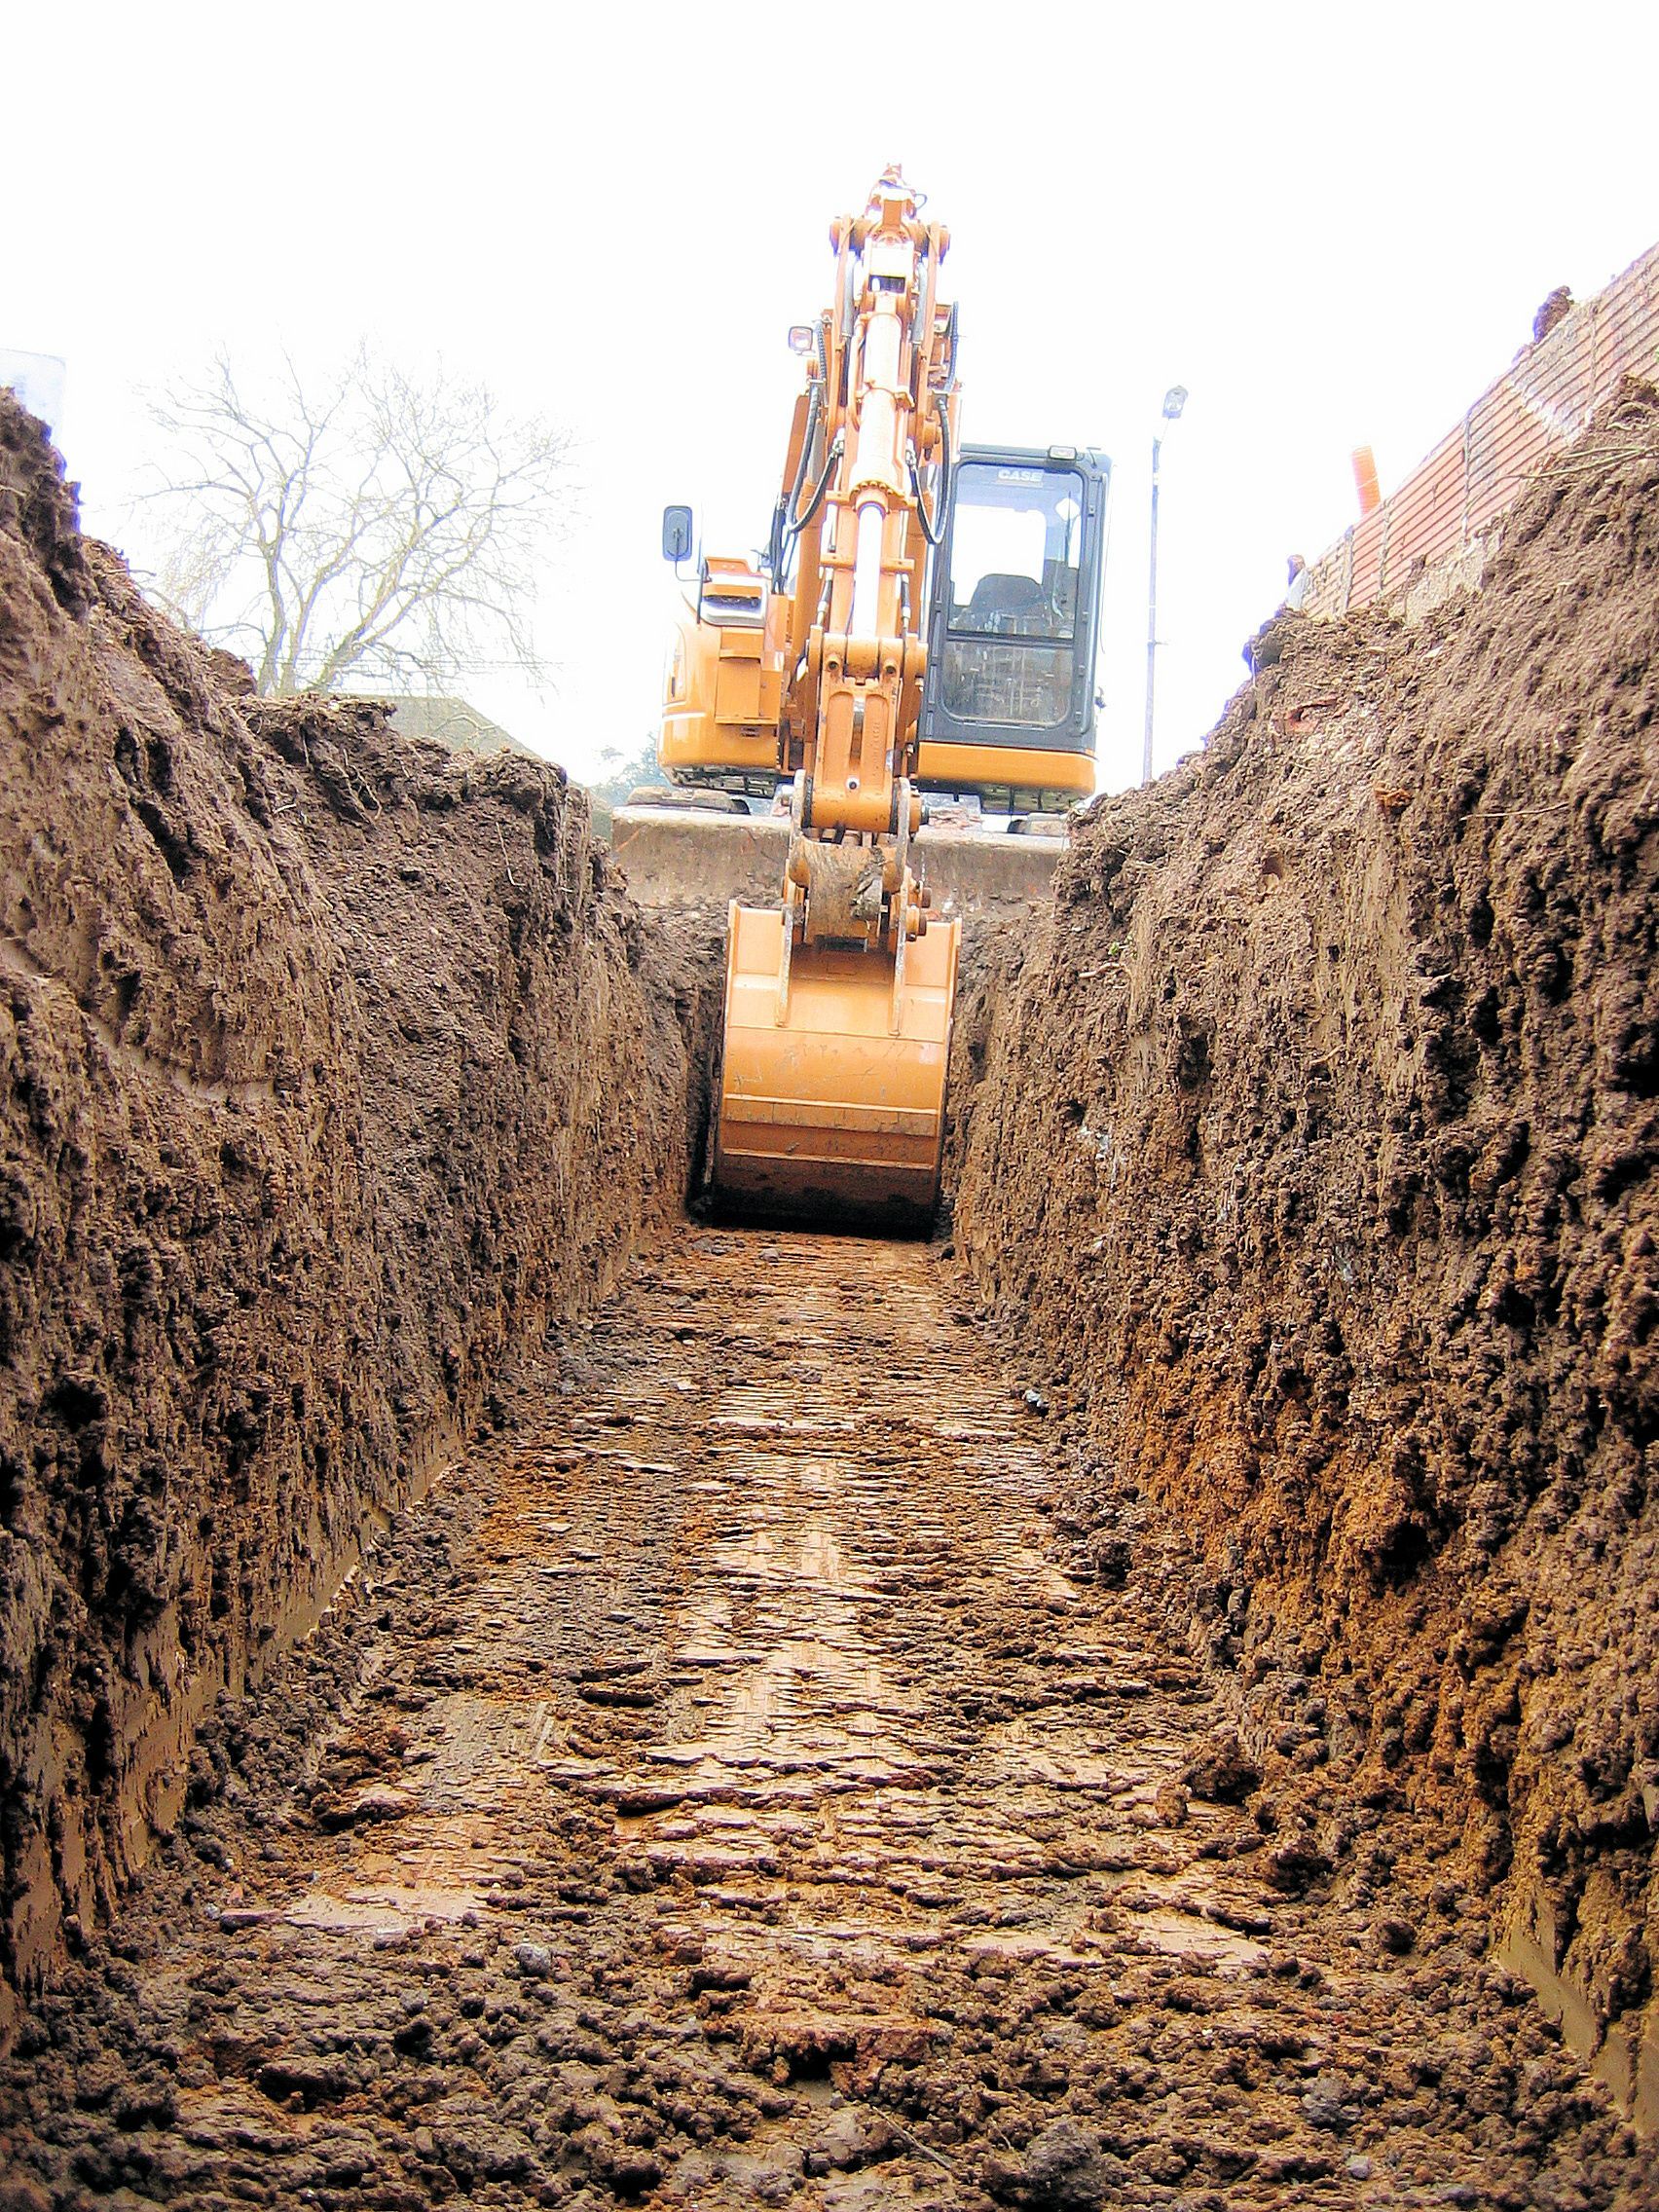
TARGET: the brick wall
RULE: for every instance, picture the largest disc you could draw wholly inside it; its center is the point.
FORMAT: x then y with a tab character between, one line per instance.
1543	400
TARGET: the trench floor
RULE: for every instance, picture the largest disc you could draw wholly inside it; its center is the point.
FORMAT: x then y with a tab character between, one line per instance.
731	1788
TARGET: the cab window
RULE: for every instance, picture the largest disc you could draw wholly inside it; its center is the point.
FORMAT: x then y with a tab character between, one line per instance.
1017	538
1016	544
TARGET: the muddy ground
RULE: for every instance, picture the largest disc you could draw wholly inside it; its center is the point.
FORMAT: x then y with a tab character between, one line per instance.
327	1065
1313	1137
730	1788
1121	1705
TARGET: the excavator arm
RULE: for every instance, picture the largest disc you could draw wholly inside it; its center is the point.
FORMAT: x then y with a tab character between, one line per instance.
838	1002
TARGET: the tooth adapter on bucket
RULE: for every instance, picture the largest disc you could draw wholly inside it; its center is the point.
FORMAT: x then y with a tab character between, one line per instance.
831	1098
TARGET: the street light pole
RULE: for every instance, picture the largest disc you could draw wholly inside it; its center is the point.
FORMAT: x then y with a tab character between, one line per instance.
1151	619
1174	399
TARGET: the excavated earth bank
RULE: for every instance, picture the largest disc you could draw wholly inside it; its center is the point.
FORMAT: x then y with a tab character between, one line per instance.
330	1069
777	1745
1312	1142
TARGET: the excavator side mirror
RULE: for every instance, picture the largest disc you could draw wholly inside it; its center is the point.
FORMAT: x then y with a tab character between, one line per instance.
675	534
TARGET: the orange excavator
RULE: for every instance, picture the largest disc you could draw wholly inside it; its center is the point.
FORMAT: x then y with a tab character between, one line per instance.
920	629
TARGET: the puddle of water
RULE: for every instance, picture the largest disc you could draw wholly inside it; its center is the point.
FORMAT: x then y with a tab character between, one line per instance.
1050	1581
389	1909
1179	1938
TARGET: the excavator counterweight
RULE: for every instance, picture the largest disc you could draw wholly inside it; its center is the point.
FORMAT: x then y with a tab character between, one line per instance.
922	621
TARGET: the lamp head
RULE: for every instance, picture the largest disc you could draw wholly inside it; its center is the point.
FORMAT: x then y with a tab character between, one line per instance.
1174	399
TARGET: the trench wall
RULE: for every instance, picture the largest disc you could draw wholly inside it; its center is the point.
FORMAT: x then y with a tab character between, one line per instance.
330	1070
1312	1143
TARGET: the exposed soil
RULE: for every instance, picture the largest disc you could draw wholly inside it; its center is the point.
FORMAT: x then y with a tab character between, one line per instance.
1313	1139
329	1066
727	1790
1130	1725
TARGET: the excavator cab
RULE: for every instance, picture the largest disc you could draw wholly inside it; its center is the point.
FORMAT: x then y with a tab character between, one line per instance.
1009	706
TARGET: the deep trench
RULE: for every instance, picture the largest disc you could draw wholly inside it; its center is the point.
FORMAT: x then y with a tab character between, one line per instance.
508	1692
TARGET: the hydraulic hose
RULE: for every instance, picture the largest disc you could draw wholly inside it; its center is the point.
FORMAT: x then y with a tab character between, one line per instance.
819	490
786	528
933	530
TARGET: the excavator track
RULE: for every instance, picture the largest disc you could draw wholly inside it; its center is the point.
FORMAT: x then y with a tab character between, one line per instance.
733	1787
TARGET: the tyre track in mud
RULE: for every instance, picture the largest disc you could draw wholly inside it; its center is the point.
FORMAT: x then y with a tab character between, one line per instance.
730	1790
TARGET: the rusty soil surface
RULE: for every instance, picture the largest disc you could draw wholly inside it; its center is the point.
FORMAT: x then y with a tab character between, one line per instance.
731	1787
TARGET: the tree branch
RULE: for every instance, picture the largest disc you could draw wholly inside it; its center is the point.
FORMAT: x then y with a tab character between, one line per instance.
388	524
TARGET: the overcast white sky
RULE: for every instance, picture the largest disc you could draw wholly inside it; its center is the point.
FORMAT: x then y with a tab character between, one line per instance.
1332	224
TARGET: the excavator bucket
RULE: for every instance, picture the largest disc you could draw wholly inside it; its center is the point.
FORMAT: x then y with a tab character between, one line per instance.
831	1098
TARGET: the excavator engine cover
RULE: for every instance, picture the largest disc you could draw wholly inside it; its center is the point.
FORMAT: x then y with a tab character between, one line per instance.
832	1101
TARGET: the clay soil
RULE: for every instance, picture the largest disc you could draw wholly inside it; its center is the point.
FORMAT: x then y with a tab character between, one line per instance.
511	1696
328	1066
1312	1140
730	1788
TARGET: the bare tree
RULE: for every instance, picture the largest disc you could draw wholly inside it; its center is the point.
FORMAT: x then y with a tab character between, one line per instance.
372	529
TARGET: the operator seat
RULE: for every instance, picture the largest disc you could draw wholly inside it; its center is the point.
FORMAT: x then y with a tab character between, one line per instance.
1001	603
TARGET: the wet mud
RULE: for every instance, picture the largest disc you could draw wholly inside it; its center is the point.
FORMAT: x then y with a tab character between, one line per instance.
1146	1702
741	1783
328	1066
1312	1142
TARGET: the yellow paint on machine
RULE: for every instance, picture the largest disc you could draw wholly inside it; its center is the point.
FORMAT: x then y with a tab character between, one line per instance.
832	1085
1016	767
